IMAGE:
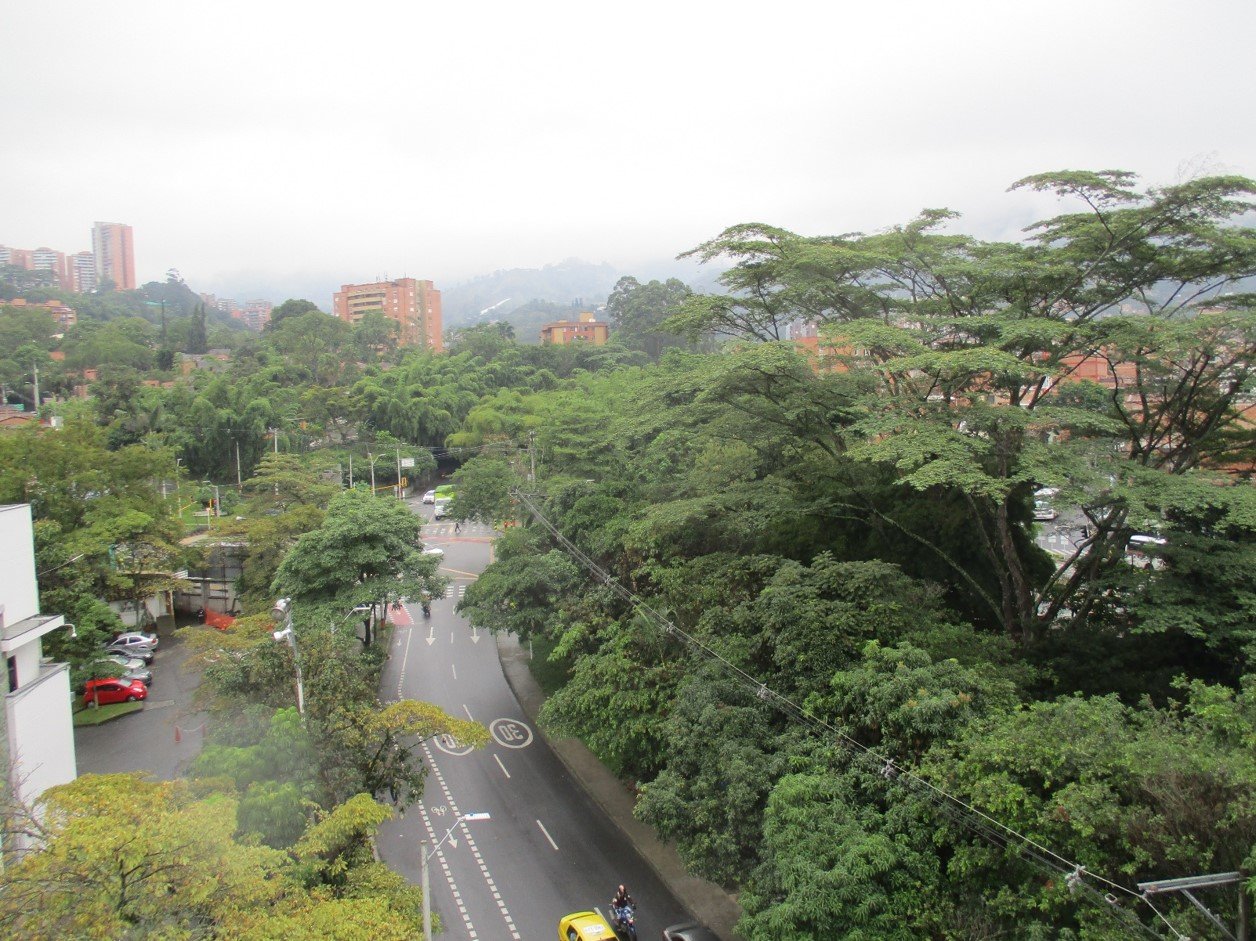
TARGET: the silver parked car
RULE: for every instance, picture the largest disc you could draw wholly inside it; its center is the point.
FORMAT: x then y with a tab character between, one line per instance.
139	651
136	639
126	668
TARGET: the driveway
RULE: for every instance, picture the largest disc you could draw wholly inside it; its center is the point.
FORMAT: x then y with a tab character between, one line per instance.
146	740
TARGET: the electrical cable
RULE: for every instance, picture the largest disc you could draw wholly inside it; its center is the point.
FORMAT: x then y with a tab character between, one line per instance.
976	821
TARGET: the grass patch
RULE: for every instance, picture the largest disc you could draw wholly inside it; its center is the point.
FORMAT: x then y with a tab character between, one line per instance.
87	716
549	674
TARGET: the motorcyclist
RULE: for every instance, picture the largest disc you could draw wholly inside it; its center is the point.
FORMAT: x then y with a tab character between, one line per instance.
622	898
425	600
623	907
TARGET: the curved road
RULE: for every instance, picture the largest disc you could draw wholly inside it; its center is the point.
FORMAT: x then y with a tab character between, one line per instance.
547	849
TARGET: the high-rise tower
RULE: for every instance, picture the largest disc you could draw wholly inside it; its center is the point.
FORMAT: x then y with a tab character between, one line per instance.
115	254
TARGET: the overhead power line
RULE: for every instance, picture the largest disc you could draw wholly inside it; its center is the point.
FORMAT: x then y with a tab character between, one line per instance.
1107	895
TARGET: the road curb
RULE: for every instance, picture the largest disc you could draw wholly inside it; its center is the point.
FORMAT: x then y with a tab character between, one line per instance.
705	900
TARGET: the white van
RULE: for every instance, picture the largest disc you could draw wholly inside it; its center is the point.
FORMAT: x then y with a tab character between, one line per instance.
441	507
1140	551
1044	509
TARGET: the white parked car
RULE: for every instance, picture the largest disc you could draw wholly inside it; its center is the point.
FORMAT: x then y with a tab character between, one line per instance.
135	639
429	497
435	550
1044	508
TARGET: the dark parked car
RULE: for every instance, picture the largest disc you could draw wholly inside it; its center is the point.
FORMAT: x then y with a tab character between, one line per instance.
689	931
105	692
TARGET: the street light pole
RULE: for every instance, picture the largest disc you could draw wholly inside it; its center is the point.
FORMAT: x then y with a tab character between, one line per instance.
426	881
282	611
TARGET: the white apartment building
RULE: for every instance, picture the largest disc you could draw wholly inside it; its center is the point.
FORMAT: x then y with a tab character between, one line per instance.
38	730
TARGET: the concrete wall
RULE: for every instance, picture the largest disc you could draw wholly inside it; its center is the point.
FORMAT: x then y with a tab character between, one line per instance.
41	732
19	591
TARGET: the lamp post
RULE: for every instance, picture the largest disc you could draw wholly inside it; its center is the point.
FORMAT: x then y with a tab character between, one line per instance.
282	611
373	458
427	908
217	503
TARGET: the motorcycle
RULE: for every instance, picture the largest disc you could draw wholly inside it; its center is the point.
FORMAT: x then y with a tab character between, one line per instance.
624	921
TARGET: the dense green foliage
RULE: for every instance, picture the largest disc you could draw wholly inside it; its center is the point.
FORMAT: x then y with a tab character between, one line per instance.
799	600
123	857
852	684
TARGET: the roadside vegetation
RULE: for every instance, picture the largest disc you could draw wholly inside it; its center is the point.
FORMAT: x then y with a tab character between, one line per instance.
787	589
799	603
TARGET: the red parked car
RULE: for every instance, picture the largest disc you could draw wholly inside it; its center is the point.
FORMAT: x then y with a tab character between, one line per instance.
106	692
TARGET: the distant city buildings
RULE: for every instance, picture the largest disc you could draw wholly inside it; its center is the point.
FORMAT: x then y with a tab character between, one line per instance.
413	305
253	314
114	248
48	259
65	317
112	257
83	272
588	329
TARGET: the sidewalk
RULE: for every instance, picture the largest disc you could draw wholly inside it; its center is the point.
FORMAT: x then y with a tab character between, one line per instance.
708	903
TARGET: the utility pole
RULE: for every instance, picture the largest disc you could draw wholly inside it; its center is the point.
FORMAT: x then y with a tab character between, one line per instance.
370	457
36	388
239	477
532	453
1207	882
274	433
398	473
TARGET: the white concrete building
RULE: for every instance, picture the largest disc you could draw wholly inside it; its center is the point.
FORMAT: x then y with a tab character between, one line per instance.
38	732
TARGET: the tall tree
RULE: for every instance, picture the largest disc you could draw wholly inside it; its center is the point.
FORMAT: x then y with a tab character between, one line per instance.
638	311
969	344
198	335
292	307
367	551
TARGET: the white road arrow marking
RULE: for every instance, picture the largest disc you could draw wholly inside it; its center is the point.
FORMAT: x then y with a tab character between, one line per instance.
431	633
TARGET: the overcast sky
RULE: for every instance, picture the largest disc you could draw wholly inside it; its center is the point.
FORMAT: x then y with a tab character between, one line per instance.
264	144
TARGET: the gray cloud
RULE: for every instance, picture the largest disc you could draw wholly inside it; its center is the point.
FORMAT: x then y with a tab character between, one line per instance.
321	143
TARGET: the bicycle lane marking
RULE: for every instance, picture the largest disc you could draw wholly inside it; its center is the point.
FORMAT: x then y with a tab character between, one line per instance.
403	637
449	876
475	850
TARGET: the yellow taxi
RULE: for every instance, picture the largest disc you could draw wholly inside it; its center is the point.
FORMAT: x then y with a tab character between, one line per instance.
585	926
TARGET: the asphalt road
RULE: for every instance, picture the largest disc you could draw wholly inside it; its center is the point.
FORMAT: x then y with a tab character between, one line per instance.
1062	535
546	849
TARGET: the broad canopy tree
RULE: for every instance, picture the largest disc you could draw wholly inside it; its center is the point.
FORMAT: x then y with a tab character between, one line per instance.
781	502
969	345
119	857
368	550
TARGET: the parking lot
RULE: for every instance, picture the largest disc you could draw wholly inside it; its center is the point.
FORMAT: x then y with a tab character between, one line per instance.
146	740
